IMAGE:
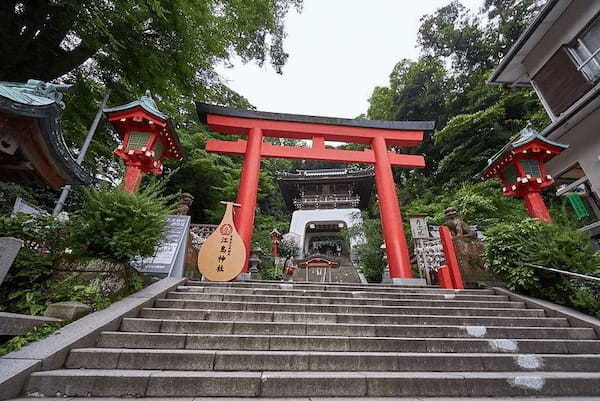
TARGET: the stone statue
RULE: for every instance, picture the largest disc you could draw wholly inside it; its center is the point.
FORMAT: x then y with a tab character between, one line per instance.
185	202
470	251
457	226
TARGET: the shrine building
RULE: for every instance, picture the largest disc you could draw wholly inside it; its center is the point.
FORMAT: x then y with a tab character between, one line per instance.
324	202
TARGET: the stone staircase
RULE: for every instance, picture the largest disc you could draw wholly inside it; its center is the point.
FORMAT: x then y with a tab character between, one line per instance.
310	341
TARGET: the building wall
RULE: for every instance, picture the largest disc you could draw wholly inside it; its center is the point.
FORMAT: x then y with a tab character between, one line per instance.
583	137
584	148
573	20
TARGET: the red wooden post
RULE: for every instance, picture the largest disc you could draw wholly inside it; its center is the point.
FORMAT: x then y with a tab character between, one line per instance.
444	278
451	259
248	189
536	207
133	177
391	219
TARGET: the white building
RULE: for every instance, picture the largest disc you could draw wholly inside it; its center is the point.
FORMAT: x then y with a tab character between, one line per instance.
324	203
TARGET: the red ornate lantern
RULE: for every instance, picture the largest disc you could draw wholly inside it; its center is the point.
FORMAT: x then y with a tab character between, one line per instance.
148	138
520	167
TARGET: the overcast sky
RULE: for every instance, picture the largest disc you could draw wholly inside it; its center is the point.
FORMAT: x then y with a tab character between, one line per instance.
339	51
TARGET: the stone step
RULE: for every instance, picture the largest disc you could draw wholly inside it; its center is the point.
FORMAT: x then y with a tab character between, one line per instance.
331	294
316	399
112	339
450	300
257	361
333	343
440	309
160	383
306	285
363	330
408	318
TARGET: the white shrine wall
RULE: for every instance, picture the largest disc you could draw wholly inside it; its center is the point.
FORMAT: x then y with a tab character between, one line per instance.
302	218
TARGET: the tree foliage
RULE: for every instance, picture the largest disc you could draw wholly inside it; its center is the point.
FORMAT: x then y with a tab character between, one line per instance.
448	85
168	47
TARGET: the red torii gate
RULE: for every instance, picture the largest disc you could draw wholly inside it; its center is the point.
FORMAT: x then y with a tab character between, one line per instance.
378	134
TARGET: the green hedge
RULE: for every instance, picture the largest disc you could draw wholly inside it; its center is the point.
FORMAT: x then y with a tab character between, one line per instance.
509	246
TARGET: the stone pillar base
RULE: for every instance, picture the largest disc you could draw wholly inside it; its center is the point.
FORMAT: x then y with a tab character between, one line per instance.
385	277
416	282
243	277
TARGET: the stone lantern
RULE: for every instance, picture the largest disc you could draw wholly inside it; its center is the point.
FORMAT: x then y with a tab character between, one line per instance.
520	165
148	138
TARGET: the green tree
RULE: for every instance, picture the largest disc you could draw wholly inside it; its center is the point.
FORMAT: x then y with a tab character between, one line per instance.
168	47
164	42
381	104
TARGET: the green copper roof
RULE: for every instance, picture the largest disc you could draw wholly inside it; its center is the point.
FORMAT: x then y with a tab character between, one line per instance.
145	102
526	135
33	93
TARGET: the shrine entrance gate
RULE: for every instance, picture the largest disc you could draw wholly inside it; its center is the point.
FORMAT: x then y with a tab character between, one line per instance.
379	135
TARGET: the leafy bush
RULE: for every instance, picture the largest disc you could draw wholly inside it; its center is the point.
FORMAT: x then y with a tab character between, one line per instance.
371	261
481	203
509	246
34	334
45	239
117	225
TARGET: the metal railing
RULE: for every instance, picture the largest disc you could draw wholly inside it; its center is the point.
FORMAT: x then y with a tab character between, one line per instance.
581	276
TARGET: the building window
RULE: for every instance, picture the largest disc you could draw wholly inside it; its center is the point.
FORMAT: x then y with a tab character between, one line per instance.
531	167
138	139
587	51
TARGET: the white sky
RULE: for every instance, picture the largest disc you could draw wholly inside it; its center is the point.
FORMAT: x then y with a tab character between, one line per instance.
339	51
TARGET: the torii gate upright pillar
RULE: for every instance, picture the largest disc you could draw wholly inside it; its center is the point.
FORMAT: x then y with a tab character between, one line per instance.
389	209
248	189
378	134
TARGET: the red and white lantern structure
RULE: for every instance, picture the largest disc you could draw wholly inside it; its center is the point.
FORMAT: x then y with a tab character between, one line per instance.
148	138
520	165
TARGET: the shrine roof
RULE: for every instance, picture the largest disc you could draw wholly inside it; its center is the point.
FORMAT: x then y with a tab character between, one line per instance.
326	174
32	93
204	109
526	136
30	120
145	102
362	180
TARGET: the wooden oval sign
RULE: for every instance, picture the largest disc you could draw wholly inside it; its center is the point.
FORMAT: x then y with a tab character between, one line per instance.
223	254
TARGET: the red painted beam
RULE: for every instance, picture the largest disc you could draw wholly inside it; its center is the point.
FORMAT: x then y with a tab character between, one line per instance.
296	130
290	152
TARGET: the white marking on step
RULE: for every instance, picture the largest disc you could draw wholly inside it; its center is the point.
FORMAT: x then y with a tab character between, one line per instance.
449	296
529	382
529	361
476	331
504	345
286	286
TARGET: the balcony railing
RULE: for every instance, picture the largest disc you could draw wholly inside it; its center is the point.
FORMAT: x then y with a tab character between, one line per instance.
326	201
